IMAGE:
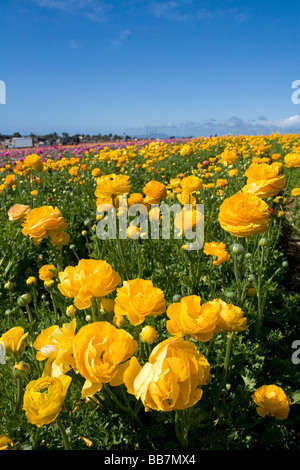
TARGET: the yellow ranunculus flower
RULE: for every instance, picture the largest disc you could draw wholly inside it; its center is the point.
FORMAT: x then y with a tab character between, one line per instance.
5	442
34	162
217	249
112	186
171	379
190	317
137	299
148	334
292	160
15	340
155	191
191	184
17	212
187	219
264	180
90	278
42	222
243	215
230	317
101	354
59	239
295	192
46	272
44	398
271	401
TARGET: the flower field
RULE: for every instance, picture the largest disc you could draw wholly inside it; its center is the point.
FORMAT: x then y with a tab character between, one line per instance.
139	342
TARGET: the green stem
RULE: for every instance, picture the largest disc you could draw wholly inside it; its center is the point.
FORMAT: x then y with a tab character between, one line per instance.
19	381
62	429
29	313
226	366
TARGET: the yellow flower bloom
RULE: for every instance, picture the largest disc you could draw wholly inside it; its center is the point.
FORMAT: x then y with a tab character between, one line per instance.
172	379
148	334
46	272
17	212
44	398
59	239
15	340
230	317
217	249
295	192
43	222
190	317
112	185
271	401
191	184
90	278
264	180
243	215
155	191
101	354
292	160
137	299
5	442
34	162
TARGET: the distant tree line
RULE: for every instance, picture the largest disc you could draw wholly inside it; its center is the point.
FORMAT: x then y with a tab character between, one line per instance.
65	139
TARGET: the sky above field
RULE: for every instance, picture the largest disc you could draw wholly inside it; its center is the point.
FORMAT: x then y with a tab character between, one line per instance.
178	67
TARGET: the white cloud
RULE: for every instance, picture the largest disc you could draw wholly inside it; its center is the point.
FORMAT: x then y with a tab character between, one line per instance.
92	9
117	41
233	125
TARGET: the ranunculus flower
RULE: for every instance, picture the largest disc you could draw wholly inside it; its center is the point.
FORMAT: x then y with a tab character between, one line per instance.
46	272
190	317
155	192
101	354
138	299
295	192
34	162
187	219
264	180
191	184
292	160
230	317
59	239
44	399
15	340
186	150
243	215
90	278
271	401
112	186
56	345
5	442
217	249
43	222
17	212
171	379
148	334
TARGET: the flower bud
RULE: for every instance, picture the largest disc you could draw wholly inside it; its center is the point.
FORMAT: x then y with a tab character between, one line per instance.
237	248
8	285
24	300
263	242
148	334
70	311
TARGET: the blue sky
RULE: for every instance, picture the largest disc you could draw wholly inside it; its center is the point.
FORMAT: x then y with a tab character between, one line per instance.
179	67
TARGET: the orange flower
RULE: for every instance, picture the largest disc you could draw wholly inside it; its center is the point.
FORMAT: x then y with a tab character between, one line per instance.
137	299
34	162
271	401
217	249
43	222
45	272
243	215
17	212
264	180
155	191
